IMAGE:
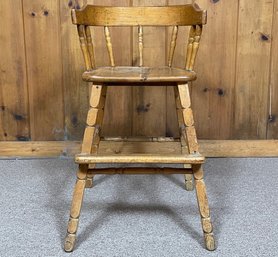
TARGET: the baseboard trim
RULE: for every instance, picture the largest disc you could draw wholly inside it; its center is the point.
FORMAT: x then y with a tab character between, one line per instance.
209	148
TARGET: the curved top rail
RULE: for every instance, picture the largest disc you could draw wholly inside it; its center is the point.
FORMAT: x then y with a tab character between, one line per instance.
179	15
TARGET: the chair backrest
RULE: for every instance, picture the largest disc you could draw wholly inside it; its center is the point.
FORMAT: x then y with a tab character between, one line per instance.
181	15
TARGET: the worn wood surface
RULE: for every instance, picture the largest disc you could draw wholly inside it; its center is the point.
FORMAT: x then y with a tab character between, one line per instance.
127	74
149	103
213	91
209	148
228	94
44	69
118	117
145	16
253	56
178	61
14	115
138	171
75	89
272	131
139	158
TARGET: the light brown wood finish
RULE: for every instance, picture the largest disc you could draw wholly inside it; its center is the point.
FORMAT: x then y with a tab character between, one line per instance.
173	45
209	148
203	207
84	47
14	116
90	46
149	102
84	178
127	74
137	171
253	54
44	69
183	94
192	146
139	158
140	45
117	121
106	77
216	61
109	45
74	89
133	16
172	128
272	129
215	89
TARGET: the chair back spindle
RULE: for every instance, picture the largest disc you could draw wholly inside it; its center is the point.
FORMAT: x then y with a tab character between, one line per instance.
90	46
109	45
84	47
192	46
179	15
173	45
140	45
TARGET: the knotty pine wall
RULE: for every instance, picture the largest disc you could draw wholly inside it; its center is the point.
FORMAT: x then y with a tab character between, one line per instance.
42	96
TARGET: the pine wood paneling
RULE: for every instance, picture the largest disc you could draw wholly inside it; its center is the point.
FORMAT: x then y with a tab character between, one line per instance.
213	91
149	102
209	148
252	69
75	90
178	61
42	96
273	110
44	68
118	109
14	116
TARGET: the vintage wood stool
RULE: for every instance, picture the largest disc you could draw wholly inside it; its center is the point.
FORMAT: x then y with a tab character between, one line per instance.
102	77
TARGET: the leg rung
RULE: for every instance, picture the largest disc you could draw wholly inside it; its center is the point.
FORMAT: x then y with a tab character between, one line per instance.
141	171
142	158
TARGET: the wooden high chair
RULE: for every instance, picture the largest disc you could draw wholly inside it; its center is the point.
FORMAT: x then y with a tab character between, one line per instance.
102	77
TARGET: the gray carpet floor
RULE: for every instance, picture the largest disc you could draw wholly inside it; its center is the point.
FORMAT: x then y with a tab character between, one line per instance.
139	215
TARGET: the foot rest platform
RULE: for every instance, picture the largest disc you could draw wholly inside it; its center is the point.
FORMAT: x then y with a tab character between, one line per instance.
141	158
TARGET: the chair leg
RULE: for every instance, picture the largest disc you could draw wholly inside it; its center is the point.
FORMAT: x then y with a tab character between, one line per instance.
89	181
76	207
189	186
90	145
189	133
203	207
94	119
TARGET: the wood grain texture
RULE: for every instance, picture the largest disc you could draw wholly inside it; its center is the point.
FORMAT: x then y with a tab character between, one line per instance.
14	116
272	129
145	16
44	69
138	171
149	103
178	61
209	148
75	90
252	73
118	109
213	92
139	158
127	74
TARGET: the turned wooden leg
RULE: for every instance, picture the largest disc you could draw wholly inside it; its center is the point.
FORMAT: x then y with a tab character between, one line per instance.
89	181
76	207
203	207
190	137
189	186
94	120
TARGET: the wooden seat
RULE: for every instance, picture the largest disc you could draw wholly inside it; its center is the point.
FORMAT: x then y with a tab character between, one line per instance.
100	78
130	74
